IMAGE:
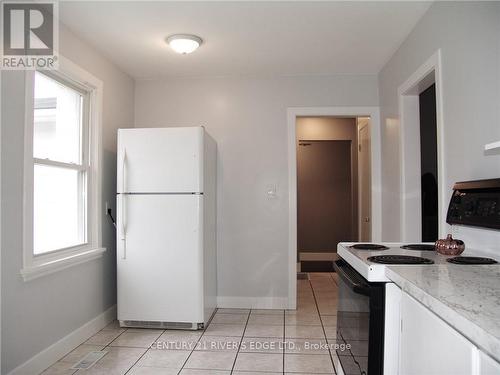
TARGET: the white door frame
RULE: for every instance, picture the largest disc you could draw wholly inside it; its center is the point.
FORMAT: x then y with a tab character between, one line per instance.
376	201
408	97
360	192
0	230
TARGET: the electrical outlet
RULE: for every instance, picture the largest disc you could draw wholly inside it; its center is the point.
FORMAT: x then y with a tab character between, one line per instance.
107	207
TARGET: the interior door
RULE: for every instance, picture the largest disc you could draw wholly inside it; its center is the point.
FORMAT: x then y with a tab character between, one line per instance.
364	177
160	260
325	199
160	160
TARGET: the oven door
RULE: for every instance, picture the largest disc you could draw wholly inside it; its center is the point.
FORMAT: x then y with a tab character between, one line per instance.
360	322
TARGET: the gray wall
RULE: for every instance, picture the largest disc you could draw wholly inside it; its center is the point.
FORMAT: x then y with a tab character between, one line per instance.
37	313
247	117
469	37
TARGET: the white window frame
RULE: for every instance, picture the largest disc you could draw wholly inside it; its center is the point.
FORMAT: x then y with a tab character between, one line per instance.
42	264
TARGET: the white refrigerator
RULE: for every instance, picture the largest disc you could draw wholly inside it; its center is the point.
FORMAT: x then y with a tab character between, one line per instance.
166	227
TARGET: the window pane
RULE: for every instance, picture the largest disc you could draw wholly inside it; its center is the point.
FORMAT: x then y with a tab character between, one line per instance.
57	121
59	208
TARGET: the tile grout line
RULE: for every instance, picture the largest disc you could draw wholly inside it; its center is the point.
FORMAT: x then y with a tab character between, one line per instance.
241	340
323	328
142	355
195	345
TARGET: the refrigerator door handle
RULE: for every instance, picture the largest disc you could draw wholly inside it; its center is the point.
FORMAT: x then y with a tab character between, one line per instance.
122	224
122	206
124	160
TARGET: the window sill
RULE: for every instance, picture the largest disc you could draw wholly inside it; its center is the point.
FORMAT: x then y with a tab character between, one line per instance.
41	269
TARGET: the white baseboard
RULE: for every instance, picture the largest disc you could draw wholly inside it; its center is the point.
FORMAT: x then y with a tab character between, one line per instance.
318	256
252	302
56	351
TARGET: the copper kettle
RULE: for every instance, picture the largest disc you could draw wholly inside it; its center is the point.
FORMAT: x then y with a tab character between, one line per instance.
450	246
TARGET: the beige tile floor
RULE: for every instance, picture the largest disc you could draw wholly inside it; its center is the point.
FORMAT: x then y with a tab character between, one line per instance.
237	341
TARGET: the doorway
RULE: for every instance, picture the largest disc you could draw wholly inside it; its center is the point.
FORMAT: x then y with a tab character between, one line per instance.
428	164
333	187
371	112
423	191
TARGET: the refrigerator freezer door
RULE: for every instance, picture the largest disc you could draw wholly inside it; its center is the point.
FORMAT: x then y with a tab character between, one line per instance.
160	160
160	260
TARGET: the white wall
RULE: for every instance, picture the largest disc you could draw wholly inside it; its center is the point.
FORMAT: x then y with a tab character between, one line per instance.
247	117
37	313
469	37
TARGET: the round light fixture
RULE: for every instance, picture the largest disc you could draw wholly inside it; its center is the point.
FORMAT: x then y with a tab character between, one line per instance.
184	43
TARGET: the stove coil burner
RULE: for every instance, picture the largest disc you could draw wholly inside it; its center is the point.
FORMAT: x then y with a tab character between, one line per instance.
471	260
419	246
399	259
369	246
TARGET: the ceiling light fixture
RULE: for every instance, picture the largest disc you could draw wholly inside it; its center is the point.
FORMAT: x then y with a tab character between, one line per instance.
184	43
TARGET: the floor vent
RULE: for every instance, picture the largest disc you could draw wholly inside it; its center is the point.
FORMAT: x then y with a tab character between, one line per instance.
89	360
160	325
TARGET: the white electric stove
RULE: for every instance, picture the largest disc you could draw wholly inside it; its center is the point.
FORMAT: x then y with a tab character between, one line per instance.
358	258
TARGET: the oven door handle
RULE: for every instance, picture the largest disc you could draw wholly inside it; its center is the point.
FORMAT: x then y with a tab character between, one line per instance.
357	287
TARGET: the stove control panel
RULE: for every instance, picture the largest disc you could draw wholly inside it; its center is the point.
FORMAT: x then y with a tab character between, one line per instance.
475	203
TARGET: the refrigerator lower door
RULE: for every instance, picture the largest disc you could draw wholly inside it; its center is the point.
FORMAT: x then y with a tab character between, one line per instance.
160	259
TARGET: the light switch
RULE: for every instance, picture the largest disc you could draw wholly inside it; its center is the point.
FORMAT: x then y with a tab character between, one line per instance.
271	191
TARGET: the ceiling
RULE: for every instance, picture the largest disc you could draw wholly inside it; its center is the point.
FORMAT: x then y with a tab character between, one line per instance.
245	38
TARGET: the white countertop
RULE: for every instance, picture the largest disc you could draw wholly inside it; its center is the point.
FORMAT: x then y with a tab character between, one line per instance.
467	297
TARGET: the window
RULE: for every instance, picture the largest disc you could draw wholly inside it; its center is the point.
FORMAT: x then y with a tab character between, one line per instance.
61	165
62	192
